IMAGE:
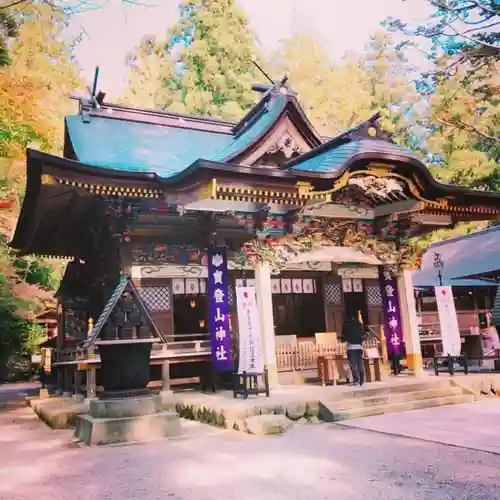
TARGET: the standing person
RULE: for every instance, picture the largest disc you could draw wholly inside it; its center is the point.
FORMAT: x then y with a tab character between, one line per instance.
353	334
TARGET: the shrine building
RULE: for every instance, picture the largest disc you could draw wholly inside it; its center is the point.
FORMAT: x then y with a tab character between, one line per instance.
312	222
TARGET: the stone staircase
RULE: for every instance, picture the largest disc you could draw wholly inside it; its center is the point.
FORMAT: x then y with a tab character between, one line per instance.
381	400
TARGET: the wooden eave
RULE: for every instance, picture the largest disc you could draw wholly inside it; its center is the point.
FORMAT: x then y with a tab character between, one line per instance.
257	184
95	180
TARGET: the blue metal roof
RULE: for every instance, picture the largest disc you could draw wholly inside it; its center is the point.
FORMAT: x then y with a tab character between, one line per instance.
141	147
332	159
255	130
150	148
463	256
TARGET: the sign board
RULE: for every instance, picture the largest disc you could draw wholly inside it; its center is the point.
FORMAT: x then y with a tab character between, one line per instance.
391	313
448	321
218	301
251	349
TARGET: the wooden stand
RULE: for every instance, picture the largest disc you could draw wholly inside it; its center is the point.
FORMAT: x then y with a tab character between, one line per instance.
248	383
373	369
332	368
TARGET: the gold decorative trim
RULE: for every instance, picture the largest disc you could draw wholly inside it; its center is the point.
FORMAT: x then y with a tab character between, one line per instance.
278	197
48	179
384	171
208	191
107	190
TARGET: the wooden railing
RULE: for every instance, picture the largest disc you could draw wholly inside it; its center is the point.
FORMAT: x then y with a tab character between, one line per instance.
304	355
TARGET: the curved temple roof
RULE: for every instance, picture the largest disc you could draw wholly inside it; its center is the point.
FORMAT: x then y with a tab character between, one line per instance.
165	144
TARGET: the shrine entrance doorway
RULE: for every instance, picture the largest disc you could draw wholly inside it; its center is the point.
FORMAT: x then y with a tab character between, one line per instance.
190	318
355	303
298	314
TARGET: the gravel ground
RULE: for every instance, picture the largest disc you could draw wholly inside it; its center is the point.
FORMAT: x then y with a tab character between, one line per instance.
310	462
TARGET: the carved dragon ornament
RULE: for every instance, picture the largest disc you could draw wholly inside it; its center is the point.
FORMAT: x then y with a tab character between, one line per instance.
324	233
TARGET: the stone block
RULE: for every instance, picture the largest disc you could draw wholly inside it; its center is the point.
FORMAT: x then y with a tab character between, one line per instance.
102	431
264	425
126	407
312	409
296	411
44	394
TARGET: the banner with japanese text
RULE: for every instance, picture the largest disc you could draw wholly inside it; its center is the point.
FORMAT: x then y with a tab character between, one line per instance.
391	313
218	296
448	321
251	353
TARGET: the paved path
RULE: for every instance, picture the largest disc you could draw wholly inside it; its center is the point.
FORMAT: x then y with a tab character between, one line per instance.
309	462
471	426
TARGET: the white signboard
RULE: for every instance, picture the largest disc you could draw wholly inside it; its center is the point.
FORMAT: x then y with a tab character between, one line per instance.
448	321
251	349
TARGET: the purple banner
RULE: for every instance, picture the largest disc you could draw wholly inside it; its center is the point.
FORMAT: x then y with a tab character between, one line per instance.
391	312
218	295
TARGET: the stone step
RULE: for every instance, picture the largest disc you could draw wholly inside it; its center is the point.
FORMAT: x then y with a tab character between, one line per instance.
398	397
329	414
386	390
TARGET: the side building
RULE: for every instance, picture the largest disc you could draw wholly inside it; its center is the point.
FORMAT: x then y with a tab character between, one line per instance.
467	255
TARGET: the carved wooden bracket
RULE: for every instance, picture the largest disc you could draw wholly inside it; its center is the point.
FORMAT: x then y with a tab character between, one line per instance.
287	145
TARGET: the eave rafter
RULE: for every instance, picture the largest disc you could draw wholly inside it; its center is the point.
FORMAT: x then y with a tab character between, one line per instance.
104	189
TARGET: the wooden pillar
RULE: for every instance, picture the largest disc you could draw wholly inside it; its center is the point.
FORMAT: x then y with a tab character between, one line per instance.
78	381
59	380
165	375
264	293
68	380
91	382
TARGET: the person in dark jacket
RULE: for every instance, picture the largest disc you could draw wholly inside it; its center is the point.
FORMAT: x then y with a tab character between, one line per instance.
353	335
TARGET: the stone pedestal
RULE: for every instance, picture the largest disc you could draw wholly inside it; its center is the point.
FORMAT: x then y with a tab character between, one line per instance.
44	393
127	420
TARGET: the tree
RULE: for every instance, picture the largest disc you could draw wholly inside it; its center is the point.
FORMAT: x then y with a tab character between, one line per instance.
340	96
388	77
464	39
150	69
334	97
205	67
33	90
8	29
466	28
32	93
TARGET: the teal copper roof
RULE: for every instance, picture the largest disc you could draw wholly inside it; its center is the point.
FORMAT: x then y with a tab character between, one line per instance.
141	147
163	150
332	159
256	130
460	258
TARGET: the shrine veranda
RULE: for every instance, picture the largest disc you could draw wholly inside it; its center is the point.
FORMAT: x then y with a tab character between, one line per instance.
144	203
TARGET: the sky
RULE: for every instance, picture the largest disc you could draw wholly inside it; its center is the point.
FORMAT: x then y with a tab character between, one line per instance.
112	30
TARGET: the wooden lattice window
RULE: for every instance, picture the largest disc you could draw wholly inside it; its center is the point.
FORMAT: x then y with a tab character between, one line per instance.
156	298
373	296
333	293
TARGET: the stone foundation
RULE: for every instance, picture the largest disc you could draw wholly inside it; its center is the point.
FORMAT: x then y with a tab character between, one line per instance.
127	420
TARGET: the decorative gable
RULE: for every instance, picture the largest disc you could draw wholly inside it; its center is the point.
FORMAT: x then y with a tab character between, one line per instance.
283	143
125	317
